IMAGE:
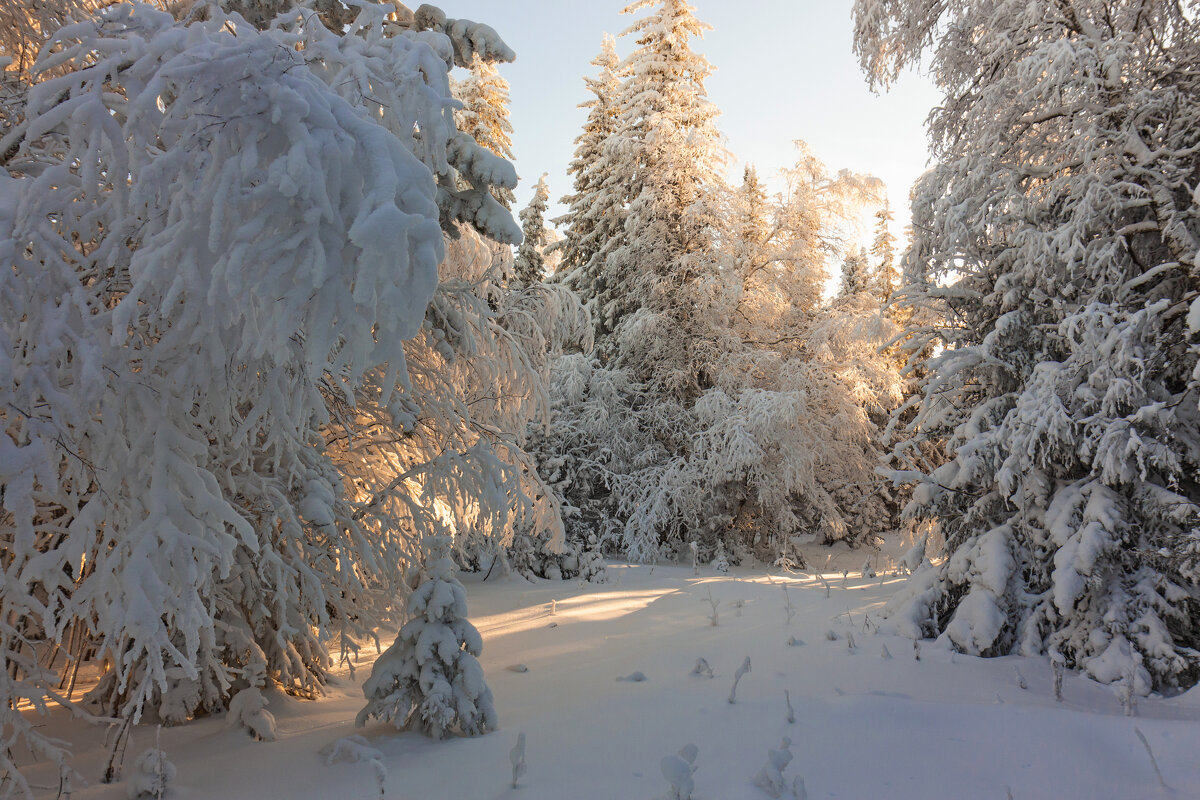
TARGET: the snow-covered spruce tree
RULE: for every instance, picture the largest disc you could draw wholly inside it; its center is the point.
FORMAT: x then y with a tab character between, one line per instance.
429	679
531	263
484	115
855	277
666	156
596	213
175	347
1058	237
884	275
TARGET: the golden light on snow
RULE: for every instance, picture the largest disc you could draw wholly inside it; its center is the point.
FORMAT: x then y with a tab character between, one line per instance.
591	607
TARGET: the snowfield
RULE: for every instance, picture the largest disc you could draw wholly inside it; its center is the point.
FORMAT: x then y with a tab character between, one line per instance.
869	724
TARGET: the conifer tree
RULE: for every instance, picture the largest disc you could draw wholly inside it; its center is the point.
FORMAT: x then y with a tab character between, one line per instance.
596	212
667	153
855	278
884	276
1056	240
751	225
530	264
430	678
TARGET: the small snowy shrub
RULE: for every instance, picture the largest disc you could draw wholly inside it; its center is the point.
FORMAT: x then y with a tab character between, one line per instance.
678	770
770	778
152	773
248	710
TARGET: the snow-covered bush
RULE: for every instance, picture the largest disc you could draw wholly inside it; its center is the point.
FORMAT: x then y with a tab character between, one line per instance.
429	679
248	710
678	770
152	774
770	778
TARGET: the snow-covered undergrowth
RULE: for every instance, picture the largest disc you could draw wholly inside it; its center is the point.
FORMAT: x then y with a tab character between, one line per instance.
918	724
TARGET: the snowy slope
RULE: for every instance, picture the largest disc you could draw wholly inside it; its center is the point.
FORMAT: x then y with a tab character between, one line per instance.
866	726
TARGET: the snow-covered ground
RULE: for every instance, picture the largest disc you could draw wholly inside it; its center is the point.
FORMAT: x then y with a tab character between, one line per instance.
866	725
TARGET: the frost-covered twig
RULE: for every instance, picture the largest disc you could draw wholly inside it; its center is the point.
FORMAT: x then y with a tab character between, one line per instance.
1149	752
1057	667
737	676
788	608
713	617
517	757
791	715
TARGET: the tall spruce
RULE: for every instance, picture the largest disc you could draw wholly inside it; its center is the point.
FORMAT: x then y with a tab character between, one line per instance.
855	277
666	155
885	275
595	213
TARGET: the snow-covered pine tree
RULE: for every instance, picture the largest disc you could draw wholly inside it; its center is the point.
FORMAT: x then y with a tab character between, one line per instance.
855	278
168	504
667	156
751	224
1057	238
430	678
484	115
884	275
530	264
595	208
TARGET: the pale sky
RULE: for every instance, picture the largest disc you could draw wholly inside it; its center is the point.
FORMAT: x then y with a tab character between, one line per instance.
785	70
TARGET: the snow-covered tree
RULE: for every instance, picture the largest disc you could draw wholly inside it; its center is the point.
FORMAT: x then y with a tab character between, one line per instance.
430	678
179	356
531	263
855	278
667	156
595	208
751	227
884	275
484	115
727	405
1056	237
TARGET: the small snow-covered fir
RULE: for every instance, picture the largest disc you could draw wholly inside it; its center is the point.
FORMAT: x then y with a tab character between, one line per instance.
430	678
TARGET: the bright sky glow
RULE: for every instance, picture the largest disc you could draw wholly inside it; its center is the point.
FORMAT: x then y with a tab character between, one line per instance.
785	70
